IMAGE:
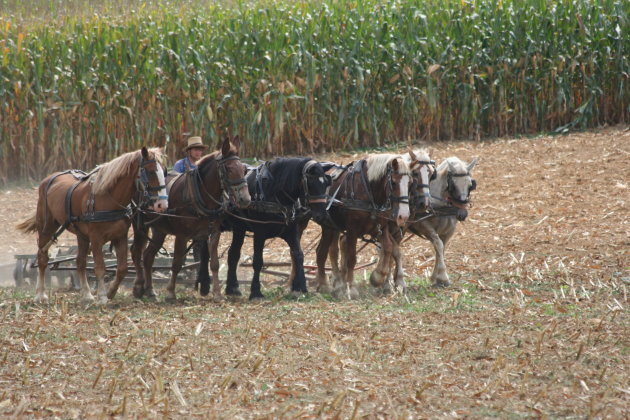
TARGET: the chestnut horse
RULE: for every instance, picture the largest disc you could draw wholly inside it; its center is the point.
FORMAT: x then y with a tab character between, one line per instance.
96	208
196	201
367	197
422	172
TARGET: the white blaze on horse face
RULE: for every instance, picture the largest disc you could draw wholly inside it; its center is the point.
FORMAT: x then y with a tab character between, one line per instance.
424	179
403	208
161	204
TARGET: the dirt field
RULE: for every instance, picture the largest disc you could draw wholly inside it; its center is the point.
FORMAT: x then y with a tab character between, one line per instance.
536	324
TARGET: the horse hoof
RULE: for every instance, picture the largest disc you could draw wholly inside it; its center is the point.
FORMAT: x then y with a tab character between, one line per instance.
324	288
233	292
218	298
138	292
256	298
441	284
102	300
87	299
43	298
170	299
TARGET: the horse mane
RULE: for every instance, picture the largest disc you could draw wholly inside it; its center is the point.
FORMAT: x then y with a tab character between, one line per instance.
421	154
110	173
289	179
206	161
377	165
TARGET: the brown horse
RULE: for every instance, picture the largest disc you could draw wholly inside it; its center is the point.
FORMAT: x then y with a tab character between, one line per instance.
367	197
197	207
422	172
96	208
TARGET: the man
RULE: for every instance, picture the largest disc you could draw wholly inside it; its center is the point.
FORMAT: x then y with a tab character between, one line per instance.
193	150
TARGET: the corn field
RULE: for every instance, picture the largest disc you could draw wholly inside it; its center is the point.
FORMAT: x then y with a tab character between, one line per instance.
81	83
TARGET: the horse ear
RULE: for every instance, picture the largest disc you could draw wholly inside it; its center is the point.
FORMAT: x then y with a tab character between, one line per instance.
412	155
236	142
395	164
225	148
472	164
145	152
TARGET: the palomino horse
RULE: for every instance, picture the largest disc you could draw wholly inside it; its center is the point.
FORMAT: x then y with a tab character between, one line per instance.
196	201
450	197
368	196
96	208
284	192
422	172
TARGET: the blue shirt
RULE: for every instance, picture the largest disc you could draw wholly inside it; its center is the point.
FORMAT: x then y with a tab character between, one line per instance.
183	165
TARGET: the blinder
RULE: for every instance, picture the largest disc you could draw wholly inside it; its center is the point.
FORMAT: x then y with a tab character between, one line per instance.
311	199
142	182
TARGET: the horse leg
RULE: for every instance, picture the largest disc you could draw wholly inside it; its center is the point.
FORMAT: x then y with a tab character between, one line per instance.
439	277
399	273
121	265
234	255
138	245
203	277
379	275
148	257
178	261
257	264
321	254
213	245
333	256
42	264
99	270
346	288
292	239
83	247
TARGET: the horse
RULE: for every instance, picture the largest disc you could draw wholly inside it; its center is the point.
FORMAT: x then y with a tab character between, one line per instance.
285	191
370	198
450	199
197	206
96	208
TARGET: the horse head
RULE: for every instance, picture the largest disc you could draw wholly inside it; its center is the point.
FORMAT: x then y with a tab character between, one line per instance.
315	184
151	178
400	180
422	172
232	173
456	181
390	178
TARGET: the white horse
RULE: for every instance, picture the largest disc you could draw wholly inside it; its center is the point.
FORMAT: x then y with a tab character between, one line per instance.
450	198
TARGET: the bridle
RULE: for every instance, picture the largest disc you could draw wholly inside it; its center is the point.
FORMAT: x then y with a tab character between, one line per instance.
229	186
313	199
149	194
450	187
417	197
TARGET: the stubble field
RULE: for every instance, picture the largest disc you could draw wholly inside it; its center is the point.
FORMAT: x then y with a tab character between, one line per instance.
536	323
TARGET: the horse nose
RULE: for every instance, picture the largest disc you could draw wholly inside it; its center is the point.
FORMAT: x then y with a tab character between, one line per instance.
161	206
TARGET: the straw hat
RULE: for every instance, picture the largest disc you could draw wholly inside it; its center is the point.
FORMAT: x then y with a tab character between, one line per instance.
195	142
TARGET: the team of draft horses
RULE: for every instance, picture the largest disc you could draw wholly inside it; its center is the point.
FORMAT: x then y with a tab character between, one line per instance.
379	197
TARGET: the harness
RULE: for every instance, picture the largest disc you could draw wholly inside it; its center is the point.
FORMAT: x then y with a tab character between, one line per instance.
262	204
98	216
196	190
357	168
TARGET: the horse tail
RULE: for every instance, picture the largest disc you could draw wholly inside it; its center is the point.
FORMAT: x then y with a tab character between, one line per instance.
28	225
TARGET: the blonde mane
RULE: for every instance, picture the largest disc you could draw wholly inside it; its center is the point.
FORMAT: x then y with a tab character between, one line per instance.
110	173
377	165
421	155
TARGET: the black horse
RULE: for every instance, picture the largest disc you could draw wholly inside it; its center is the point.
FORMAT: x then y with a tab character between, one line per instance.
284	192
